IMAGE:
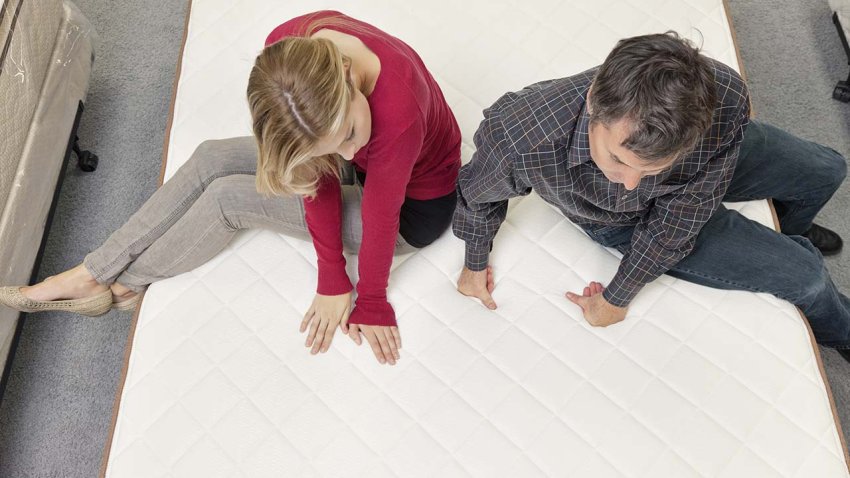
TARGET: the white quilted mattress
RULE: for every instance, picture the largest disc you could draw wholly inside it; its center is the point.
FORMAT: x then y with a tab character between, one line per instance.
695	382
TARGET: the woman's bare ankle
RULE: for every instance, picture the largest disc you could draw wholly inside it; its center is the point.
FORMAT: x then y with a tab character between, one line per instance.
120	291
80	273
75	283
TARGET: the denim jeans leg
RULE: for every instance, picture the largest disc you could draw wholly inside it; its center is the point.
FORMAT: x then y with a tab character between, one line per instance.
800	176
733	252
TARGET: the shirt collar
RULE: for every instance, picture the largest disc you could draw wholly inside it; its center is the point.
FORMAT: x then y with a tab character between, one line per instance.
579	151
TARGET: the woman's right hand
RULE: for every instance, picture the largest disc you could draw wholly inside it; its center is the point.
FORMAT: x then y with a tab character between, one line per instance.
384	340
325	313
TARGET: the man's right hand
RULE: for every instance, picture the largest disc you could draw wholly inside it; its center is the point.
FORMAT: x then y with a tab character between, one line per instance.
478	284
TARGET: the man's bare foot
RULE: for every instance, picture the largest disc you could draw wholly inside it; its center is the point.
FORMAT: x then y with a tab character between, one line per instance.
74	283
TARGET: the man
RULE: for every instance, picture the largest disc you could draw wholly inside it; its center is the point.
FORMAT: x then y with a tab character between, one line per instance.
640	152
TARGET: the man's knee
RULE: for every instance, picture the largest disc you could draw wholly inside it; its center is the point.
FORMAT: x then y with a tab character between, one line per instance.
811	275
813	284
835	166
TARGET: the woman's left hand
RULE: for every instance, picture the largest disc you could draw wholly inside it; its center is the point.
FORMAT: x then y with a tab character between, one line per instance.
385	341
326	312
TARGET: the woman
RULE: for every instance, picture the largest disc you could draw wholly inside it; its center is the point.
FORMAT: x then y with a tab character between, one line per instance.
334	101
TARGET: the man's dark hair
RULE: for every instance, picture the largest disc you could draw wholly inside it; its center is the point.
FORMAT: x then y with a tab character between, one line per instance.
663	86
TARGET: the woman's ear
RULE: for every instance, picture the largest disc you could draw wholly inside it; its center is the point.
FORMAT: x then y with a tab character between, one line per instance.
346	64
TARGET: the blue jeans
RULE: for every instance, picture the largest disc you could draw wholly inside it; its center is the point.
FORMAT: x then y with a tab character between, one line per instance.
736	253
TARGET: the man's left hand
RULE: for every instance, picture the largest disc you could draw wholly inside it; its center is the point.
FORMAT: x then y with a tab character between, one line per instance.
597	311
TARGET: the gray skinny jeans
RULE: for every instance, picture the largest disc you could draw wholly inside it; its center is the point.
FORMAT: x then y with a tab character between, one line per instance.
196	213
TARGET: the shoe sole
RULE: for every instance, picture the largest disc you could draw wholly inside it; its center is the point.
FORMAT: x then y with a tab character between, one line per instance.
93	306
129	304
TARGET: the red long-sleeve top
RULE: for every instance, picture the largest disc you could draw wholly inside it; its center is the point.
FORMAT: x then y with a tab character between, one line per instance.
414	151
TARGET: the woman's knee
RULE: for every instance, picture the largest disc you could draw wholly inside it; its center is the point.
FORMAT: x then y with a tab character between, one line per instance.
204	157
219	202
215	158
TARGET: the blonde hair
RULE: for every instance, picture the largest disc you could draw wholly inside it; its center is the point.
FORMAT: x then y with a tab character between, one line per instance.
299	92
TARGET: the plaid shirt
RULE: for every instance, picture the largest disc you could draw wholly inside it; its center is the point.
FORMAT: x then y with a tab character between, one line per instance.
537	139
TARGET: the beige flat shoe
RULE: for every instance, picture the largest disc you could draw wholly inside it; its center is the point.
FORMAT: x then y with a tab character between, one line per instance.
129	304
91	306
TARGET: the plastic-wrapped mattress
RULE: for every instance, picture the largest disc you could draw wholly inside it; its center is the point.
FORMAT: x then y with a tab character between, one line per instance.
46	53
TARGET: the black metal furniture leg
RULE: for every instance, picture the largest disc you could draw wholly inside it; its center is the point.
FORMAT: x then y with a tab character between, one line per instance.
86	160
842	89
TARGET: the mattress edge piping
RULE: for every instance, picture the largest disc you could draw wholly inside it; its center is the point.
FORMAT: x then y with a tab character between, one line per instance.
815	349
828	388
129	346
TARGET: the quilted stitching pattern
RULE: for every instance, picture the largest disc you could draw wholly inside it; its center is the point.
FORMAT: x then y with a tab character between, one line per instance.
696	382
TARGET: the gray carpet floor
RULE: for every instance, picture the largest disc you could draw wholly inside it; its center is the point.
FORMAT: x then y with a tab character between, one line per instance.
56	412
